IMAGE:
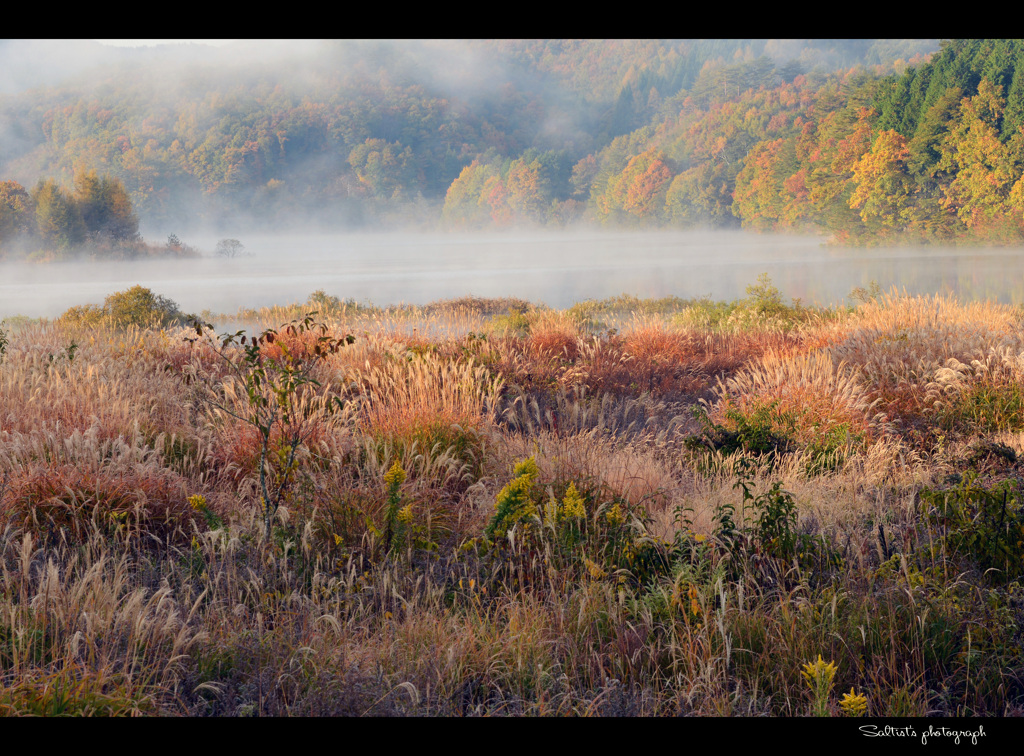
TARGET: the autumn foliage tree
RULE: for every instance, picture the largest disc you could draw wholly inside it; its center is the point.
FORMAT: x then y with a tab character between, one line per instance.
637	194
58	218
883	186
16	213
386	169
761	197
985	168
527	191
464	202
700	196
105	208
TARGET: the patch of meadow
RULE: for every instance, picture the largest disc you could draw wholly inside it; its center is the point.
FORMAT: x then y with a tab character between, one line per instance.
473	507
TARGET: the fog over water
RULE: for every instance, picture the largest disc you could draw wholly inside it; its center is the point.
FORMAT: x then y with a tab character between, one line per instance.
550	267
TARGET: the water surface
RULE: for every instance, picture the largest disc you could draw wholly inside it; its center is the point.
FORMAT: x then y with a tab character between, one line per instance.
555	268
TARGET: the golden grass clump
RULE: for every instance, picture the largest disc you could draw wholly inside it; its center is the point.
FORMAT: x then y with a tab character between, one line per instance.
427	399
79	636
619	470
817	395
112	382
555	334
906	350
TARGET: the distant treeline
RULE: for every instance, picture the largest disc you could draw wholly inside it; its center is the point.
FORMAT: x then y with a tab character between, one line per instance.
50	222
935	154
894	144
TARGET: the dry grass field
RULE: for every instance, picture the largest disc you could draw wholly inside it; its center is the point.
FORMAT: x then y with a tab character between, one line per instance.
483	507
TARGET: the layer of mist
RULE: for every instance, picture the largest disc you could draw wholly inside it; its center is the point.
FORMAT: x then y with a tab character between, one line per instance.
557	269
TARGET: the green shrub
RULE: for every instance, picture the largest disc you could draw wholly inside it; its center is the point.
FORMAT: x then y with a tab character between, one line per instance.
764	430
703	313
516	323
326	304
84	316
140	306
830	448
763	538
136	306
986	406
773	533
983	525
765	299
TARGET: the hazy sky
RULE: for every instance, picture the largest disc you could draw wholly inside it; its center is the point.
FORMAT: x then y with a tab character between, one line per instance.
152	42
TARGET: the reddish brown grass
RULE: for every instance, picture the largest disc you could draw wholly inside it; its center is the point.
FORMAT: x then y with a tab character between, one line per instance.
45	498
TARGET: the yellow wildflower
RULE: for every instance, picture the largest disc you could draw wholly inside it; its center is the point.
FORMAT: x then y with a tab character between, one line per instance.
614	516
819	676
337	540
197	502
572	504
694	604
854	705
596	571
405	514
515	502
395	476
527	467
819	673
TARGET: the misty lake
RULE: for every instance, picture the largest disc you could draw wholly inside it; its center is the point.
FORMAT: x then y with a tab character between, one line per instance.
555	268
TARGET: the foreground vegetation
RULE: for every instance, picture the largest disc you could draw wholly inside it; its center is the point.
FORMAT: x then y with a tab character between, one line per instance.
486	507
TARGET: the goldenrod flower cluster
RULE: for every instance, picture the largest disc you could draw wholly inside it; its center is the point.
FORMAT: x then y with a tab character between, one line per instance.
405	514
820	673
527	467
615	516
197	502
515	501
854	705
596	571
572	504
517	491
395	476
819	676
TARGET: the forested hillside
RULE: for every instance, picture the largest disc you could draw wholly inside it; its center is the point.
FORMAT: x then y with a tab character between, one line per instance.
863	141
